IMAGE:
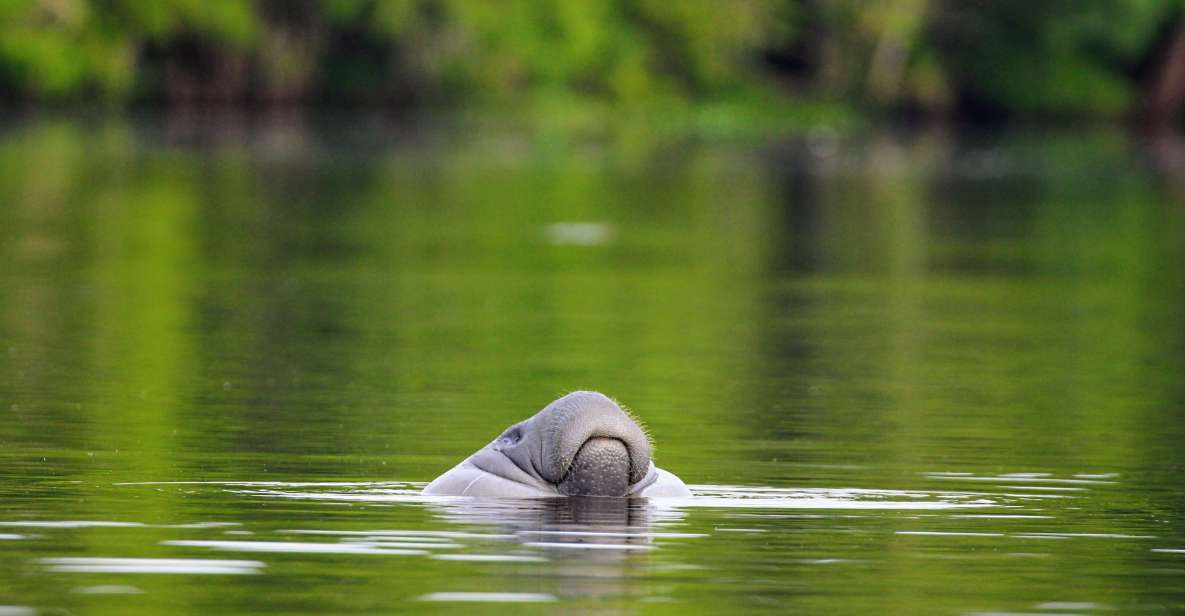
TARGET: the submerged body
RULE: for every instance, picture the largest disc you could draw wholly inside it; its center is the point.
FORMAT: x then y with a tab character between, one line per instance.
581	444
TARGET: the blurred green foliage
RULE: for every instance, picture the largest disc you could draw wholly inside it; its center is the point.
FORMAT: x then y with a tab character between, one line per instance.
1058	57
1055	56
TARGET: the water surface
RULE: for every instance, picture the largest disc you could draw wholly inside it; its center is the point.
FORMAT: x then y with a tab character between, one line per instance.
914	374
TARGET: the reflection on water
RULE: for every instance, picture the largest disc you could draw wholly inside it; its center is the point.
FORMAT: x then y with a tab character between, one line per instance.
916	374
585	550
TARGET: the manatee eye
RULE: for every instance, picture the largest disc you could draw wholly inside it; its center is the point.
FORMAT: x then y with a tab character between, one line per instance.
511	436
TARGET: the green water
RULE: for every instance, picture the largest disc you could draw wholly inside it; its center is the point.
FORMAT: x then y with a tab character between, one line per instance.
906	374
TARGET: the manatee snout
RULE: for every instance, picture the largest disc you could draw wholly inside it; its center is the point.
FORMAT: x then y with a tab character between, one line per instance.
601	468
592	446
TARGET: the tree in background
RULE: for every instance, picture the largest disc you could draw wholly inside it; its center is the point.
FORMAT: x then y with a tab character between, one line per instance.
1006	57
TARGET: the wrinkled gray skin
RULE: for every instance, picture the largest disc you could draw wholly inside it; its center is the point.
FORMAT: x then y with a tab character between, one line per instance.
582	444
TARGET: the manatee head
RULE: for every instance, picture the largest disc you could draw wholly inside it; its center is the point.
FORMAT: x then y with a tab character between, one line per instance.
581	444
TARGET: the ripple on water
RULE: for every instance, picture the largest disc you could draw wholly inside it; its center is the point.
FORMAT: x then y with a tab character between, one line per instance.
744	497
491	558
579	545
71	524
488	597
109	524
189	566
107	589
403	535
632	527
297	547
582	548
725	497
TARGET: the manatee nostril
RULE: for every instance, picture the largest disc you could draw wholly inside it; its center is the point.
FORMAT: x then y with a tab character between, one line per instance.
511	436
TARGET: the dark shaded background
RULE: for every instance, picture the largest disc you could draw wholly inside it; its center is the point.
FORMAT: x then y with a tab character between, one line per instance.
979	60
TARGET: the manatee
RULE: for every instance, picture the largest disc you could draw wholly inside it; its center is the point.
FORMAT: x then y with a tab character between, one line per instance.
583	444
